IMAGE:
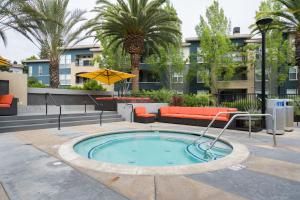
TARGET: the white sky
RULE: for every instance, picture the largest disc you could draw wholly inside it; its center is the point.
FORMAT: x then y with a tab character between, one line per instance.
240	12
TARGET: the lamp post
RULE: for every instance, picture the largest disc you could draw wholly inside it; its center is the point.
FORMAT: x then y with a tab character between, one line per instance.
263	26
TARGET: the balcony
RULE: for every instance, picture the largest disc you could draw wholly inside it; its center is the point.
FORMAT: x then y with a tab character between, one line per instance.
84	63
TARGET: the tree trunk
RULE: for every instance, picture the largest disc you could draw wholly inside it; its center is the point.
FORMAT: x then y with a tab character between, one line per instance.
297	44
54	73
135	67
214	81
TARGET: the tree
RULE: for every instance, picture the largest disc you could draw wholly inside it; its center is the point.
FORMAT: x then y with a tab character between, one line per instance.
216	48
16	15
111	58
288	19
115	59
137	26
64	29
33	57
280	54
170	60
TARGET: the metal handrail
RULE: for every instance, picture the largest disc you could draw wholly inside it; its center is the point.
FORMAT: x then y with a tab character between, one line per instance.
56	104
131	114
246	115
98	107
215	118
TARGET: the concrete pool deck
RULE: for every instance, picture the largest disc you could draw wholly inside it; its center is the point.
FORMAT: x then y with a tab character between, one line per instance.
30	168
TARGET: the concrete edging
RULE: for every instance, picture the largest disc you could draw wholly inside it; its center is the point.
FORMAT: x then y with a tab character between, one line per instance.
239	154
67	92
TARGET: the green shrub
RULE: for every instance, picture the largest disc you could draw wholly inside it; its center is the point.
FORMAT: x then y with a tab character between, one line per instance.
296	104
177	100
252	106
93	85
72	87
163	95
34	83
198	100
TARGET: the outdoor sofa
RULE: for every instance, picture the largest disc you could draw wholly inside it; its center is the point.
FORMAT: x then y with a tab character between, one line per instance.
141	115
197	116
8	105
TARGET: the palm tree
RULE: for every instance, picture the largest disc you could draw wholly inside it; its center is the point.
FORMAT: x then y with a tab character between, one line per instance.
63	28
137	26
16	15
289	19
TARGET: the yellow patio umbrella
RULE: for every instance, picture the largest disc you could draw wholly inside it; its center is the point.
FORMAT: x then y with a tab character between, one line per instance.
4	62
107	76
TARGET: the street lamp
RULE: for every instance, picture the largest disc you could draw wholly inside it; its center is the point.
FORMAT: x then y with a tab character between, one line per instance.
263	26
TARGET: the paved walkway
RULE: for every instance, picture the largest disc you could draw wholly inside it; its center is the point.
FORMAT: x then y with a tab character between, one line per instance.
30	168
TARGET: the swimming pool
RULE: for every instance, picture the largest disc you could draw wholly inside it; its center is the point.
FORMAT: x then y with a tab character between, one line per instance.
151	148
151	152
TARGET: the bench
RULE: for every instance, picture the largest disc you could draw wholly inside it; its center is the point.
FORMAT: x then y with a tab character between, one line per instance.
8	105
197	116
141	115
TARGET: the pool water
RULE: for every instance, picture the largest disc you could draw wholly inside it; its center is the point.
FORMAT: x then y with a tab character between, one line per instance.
150	148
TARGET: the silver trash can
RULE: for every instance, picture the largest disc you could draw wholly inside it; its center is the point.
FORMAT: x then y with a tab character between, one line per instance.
276	107
289	115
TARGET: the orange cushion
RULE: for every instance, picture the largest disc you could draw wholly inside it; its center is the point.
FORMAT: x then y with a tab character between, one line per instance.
6	99
196	112
146	115
140	110
4	106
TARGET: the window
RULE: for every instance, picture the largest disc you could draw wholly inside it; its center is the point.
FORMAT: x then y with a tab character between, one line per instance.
177	78
202	91
291	91
65	61
199	78
293	73
80	80
178	91
29	71
65	79
258	91
40	71
238	57
199	55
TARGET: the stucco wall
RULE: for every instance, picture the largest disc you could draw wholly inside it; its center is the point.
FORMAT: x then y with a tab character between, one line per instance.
125	110
17	85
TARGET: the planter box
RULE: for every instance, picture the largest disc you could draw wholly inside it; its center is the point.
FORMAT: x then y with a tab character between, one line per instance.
243	124
36	96
110	103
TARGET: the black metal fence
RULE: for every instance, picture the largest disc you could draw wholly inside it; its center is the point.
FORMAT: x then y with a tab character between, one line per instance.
250	101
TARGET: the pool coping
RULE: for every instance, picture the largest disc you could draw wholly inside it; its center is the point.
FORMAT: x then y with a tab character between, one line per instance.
239	154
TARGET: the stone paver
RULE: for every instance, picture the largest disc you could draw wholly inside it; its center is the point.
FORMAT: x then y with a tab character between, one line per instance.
276	153
3	194
28	173
273	167
180	187
251	185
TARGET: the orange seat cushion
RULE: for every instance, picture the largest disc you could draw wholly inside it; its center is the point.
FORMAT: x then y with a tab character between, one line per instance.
140	110
6	99
4	106
206	113
146	115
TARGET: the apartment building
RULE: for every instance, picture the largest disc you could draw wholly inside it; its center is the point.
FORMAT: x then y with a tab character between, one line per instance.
74	61
79	59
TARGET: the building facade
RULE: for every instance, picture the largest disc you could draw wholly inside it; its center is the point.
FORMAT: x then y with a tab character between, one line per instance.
74	61
79	59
